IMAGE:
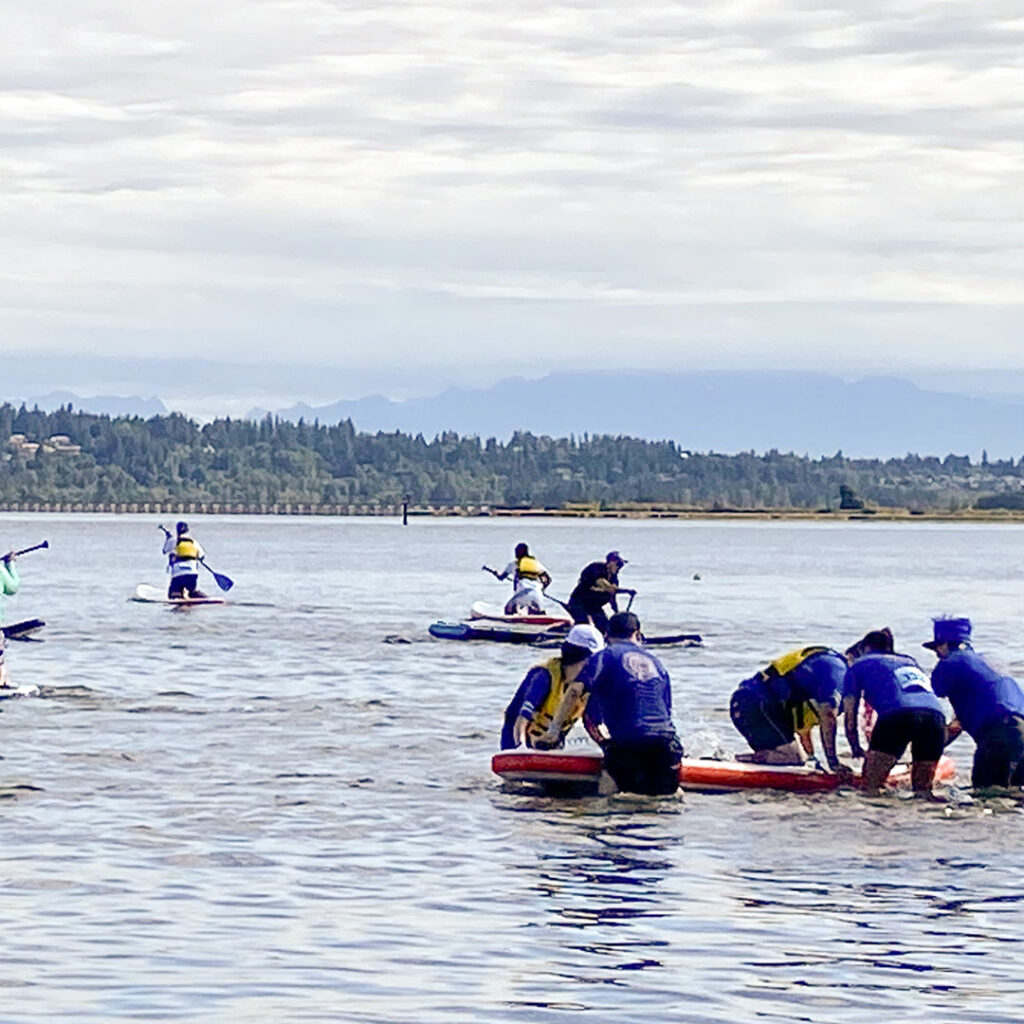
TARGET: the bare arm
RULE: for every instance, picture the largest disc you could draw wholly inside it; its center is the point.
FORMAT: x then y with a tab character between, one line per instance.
573	693
851	708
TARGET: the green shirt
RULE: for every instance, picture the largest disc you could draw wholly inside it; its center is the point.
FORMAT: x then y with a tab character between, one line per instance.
9	581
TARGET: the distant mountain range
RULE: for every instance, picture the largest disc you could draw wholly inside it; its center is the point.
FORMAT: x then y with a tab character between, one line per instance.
708	411
111	405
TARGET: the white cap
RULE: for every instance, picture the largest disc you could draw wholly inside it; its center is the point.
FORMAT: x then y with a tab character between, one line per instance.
583	635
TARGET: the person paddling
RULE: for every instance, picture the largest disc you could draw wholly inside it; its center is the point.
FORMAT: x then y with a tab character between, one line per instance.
9	583
989	705
598	585
540	694
183	557
529	581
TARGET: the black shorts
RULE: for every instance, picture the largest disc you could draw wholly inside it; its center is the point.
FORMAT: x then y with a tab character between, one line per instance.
764	724
649	766
999	758
923	728
585	615
184	586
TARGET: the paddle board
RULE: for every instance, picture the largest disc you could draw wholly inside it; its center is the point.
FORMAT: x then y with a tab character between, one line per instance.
23	630
154	595
478	610
484	629
556	768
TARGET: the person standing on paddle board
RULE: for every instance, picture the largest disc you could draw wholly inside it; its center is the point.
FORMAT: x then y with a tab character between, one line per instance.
628	711
9	583
540	694
786	699
908	712
989	704
529	581
183	556
598	584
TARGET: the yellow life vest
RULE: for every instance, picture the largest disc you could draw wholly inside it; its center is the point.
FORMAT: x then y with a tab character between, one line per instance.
528	568
186	549
550	704
785	663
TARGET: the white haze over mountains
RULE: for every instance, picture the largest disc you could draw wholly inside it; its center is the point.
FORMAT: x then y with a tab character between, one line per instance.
413	195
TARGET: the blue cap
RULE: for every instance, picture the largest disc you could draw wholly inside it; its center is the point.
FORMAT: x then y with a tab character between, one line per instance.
949	631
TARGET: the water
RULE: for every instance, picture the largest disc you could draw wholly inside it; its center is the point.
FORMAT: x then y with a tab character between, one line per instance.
263	812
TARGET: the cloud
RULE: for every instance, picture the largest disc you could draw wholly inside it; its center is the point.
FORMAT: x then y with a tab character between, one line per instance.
517	187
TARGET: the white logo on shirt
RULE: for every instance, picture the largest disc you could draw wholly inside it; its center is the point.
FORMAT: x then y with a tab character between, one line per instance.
640	666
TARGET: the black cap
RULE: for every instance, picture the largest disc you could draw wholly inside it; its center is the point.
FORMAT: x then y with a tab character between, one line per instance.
182	527
622	625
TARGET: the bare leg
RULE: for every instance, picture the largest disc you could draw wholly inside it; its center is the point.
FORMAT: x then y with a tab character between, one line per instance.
922	775
876	770
788	753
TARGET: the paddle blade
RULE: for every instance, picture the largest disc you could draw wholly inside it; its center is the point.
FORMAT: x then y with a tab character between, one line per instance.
224	582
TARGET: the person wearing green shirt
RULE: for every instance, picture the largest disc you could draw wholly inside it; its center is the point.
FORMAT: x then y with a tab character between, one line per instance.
9	583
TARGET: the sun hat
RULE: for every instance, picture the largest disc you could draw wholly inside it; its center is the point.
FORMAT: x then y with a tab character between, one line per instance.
949	631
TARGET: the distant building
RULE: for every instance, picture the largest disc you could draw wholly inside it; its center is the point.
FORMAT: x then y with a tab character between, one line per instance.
59	444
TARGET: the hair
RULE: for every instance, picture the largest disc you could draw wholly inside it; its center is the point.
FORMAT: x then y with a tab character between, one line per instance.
878	641
573	653
623	624
522	550
182	527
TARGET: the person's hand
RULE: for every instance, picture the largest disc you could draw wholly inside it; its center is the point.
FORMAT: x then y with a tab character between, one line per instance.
8	558
547	741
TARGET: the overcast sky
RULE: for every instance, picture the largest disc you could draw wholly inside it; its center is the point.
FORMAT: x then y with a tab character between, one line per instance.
431	193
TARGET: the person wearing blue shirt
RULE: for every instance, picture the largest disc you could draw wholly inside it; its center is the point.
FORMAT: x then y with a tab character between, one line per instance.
628	711
786	699
908	712
988	704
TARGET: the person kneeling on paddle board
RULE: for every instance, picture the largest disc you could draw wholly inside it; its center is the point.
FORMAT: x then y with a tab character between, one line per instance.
9	583
540	694
908	712
529	581
787	699
628	711
183	555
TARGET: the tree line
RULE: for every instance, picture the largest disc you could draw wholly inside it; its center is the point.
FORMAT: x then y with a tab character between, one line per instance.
272	461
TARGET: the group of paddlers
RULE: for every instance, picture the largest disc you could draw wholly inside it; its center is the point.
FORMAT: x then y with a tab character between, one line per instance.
622	693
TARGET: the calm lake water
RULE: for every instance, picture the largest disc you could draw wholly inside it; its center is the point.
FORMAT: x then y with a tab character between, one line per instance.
263	812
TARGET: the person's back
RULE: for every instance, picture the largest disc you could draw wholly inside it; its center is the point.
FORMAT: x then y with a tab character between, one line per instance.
629	710
629	691
889	682
979	693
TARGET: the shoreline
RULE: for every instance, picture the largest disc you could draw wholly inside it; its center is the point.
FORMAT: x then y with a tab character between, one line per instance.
626	511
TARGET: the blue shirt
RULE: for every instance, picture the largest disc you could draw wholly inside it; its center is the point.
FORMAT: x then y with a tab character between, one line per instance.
629	692
979	694
819	678
890	682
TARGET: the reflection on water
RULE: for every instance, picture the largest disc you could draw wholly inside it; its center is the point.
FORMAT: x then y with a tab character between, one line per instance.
265	812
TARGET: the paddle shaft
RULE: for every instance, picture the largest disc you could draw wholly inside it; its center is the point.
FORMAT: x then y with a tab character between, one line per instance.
25	551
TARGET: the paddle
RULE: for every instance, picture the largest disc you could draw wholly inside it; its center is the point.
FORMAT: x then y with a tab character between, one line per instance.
25	551
224	582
